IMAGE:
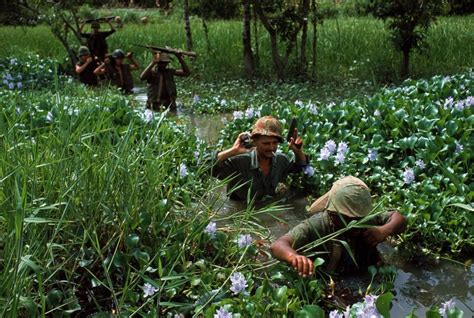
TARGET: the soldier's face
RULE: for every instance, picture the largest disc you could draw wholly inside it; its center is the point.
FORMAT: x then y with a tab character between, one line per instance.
266	146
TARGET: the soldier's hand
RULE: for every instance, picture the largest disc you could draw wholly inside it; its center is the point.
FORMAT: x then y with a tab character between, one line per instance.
303	265
129	55
238	145
374	235
89	59
296	143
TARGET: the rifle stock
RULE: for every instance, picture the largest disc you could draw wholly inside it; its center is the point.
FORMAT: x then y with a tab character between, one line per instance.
168	50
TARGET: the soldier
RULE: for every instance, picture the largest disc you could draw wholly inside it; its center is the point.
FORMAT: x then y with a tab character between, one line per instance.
96	40
256	171
118	72
86	66
349	199
161	87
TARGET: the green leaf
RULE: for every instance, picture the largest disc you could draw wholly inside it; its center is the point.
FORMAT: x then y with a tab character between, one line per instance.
318	262
54	297
195	281
132	240
463	206
433	312
310	311
451	127
279	294
383	304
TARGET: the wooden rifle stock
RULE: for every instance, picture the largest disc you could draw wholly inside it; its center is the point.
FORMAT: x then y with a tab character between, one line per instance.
168	50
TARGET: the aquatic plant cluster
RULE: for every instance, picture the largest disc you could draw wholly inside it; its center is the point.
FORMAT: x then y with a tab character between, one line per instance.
31	72
107	209
411	144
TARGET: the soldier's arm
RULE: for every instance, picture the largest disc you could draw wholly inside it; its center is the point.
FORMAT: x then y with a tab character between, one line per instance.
81	68
112	29
396	224
184	71
282	250
100	70
236	149
146	72
133	63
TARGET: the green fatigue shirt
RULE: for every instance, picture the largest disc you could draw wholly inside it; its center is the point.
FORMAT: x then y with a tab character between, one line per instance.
246	174
167	91
320	225
123	79
87	76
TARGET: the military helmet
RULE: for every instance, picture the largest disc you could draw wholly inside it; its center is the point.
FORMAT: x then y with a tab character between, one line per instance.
165	57
267	126
118	54
84	50
349	196
95	25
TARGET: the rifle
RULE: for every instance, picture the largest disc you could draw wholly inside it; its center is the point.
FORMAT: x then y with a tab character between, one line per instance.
167	49
291	131
99	19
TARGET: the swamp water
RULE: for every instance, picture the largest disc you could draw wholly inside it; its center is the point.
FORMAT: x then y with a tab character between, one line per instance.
418	284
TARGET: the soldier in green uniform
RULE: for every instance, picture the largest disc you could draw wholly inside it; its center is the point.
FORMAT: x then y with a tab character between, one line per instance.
86	66
349	199
161	87
257	171
118	72
96	40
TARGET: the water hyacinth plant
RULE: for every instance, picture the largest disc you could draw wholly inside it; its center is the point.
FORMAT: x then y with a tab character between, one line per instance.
387	140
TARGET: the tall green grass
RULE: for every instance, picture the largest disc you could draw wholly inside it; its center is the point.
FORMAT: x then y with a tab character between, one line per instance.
349	48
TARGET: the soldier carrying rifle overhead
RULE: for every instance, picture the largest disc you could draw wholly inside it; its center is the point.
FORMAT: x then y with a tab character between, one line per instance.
96	39
161	87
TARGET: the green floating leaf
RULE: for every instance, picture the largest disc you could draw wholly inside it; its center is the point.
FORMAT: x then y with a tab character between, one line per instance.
383	304
310	311
433	312
280	294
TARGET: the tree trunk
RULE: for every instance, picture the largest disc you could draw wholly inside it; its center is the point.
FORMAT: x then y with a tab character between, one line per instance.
187	26
404	71
315	39
255	33
247	40
304	36
279	66
206	35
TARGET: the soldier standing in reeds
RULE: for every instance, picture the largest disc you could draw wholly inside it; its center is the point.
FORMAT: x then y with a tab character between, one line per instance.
254	165
86	67
96	40
118	72
161	87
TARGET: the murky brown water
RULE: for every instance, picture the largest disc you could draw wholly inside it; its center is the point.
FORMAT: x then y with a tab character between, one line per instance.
417	285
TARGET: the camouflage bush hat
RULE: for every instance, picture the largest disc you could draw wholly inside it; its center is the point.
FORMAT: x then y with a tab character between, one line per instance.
349	196
118	54
84	50
95	25
165	58
267	126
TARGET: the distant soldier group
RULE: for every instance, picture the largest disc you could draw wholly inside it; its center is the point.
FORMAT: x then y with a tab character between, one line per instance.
96	65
